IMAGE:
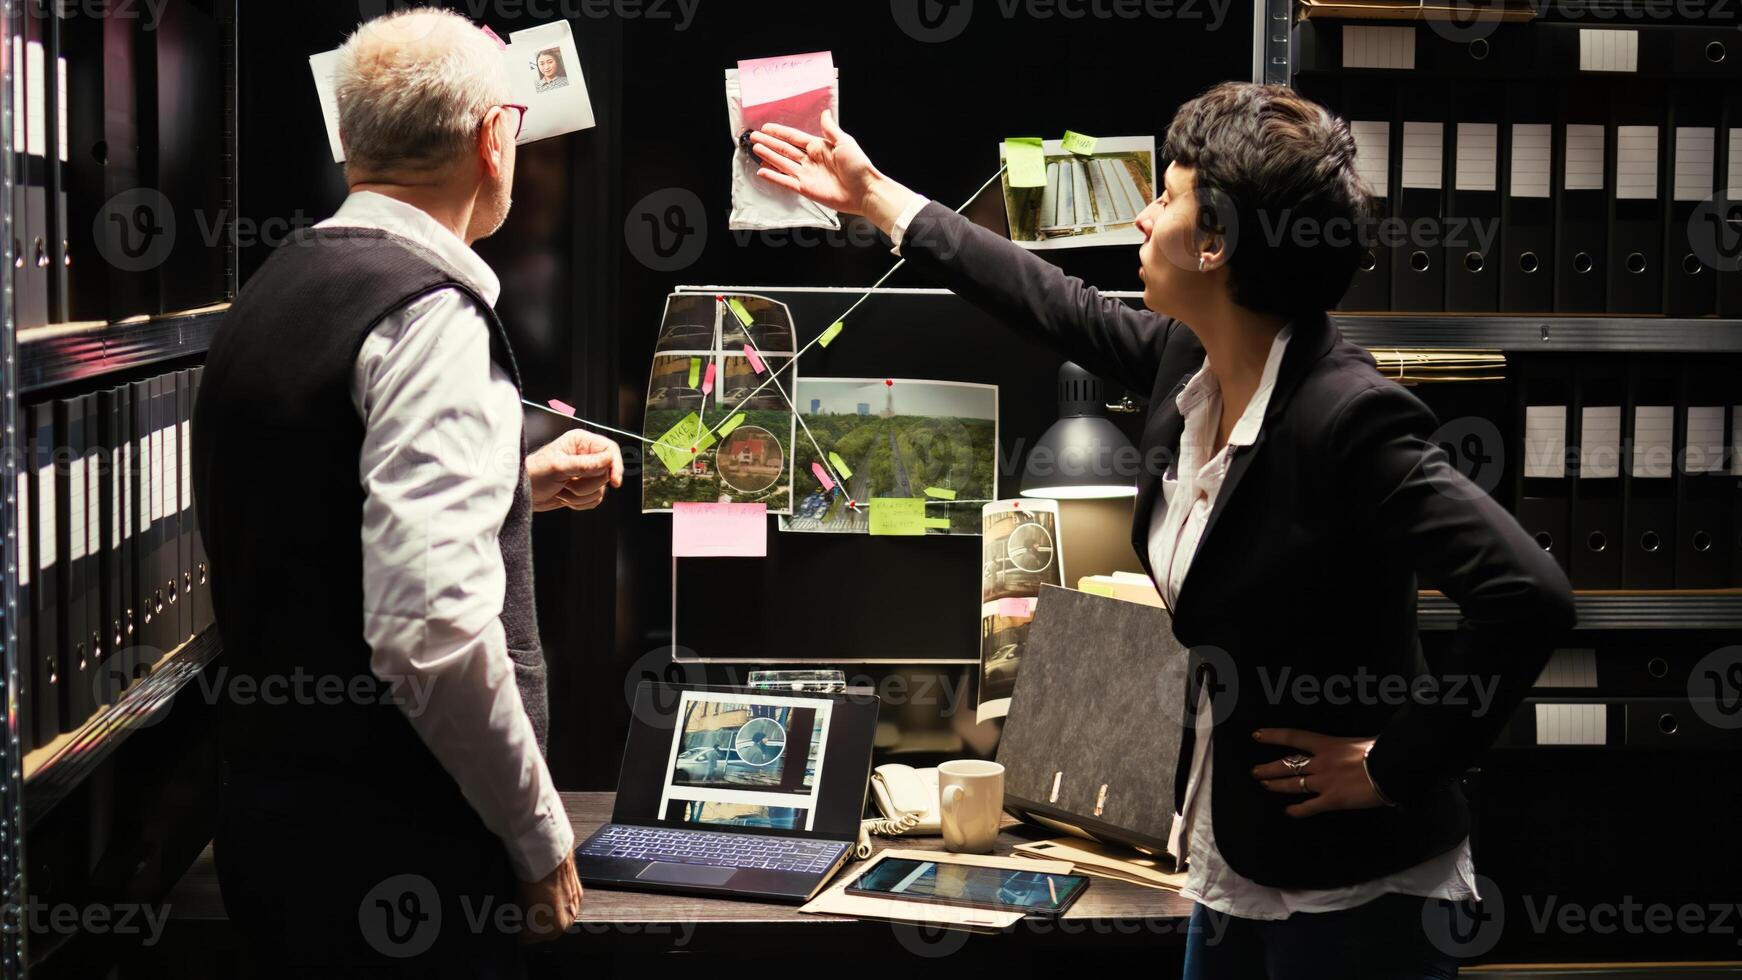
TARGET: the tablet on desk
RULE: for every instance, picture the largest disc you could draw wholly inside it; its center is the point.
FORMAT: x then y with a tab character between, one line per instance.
942	883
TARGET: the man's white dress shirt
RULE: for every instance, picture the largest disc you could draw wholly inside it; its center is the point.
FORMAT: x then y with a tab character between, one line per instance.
440	464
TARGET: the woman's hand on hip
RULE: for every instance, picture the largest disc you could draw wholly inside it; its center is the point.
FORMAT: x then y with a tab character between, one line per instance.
1329	770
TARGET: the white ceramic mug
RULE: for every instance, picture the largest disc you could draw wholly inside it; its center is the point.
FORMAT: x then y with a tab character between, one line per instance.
970	804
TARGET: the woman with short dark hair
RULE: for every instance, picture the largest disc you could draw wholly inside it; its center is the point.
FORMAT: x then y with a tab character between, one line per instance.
1319	812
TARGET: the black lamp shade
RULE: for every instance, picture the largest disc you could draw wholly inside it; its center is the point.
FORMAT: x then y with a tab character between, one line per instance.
1082	455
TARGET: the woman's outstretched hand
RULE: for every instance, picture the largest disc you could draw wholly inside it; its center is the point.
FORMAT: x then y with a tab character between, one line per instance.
829	169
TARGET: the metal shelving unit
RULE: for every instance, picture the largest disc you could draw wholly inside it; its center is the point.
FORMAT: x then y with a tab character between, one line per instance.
54	355
1716	610
52	772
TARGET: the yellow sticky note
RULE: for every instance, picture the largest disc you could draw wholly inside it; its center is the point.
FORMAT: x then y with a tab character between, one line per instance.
1095	588
830	334
840	466
942	522
1078	143
940	493
731	423
738	310
897	515
681	442
1026	161
695	372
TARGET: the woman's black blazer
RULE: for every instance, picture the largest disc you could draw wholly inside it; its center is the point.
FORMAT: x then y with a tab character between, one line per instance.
1301	598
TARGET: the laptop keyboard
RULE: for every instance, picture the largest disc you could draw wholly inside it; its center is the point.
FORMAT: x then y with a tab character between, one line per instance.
705	847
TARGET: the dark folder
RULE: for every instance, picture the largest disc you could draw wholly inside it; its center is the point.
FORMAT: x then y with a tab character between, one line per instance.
1703	538
169	549
70	544
127	465
1722	235
1648	489
1418	275
184	516
26	672
96	647
1600	395
1368	107
1689	284
1545	425
1527	236
1472	258
202	598
111	668
45	639
1581	200
147	528
1635	141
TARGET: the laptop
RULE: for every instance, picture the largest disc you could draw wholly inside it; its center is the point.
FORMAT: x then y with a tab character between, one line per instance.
735	792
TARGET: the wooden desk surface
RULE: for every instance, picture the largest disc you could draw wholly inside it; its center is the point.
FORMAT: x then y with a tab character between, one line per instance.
1108	909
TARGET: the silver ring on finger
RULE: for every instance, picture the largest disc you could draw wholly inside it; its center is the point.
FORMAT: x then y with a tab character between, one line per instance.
1303	785
1296	763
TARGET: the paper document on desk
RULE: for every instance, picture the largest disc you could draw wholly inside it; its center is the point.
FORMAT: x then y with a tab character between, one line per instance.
1120	863
836	901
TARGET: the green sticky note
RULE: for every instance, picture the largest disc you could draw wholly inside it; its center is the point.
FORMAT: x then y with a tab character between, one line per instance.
1027	163
731	423
940	493
739	311
840	466
830	334
1096	588
897	515
1078	143
681	442
695	372
942	522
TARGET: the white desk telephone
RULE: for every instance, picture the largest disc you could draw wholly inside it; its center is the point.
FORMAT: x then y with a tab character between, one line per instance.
908	800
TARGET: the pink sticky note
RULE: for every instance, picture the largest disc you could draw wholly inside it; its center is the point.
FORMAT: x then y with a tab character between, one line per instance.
708	378
711	530
494	37
1016	608
763	80
561	406
822	476
755	361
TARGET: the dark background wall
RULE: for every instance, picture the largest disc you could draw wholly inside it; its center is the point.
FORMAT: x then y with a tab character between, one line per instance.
581	298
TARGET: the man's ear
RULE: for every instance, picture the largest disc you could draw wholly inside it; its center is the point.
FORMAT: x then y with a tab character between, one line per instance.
492	146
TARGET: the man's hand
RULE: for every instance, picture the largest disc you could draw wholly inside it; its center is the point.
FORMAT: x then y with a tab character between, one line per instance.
574	470
1333	777
552	905
829	169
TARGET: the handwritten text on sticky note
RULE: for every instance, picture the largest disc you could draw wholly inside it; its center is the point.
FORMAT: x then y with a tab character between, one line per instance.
762	80
1026	161
897	515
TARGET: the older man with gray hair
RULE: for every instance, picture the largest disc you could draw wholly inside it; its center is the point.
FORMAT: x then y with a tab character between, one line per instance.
398	810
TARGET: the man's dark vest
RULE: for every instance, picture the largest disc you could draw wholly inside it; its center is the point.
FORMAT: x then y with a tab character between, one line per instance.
276	445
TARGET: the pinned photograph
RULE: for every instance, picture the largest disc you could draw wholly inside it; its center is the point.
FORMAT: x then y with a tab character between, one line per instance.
722	430
1020	552
1080	199
551	75
893	438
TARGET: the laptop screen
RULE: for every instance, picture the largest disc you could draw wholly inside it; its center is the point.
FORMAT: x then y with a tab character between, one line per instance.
755	761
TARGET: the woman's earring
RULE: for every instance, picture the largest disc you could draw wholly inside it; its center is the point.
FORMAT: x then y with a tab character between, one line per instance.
1200	263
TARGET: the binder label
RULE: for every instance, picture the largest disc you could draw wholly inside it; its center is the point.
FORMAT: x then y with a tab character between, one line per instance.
114	499
1423	151
172	454
1705	450
76	508
1607	49
45	503
1636	163
1572	724
1733	170
1378	47
1653	441
1694	147
187	491
1478	149
1545	441
158	511
1584	164
94	500
1600	442
1373	155
1531	159
23	498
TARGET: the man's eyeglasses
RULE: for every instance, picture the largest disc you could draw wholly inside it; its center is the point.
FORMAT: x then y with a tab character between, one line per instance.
519	118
